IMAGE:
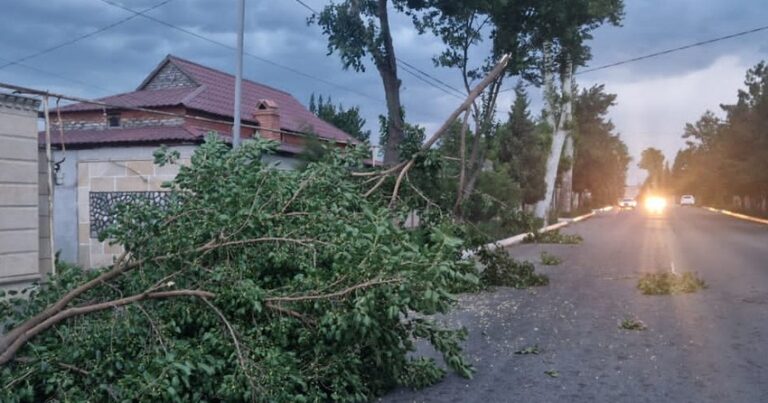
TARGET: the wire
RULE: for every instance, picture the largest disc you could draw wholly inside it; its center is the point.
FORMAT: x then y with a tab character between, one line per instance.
81	37
677	49
461	95
415	71
664	52
224	45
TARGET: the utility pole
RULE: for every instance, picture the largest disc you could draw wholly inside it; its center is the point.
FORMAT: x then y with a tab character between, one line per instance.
238	73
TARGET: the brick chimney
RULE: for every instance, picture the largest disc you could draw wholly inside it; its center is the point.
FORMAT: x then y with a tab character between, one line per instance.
268	115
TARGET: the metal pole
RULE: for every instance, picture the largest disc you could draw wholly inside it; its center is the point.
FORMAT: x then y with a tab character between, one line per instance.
238	72
49	165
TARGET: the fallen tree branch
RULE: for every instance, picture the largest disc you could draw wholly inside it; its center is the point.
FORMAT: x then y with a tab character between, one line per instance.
22	339
239	351
333	295
120	267
468	102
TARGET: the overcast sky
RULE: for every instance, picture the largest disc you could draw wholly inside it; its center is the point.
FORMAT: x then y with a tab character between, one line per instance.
656	97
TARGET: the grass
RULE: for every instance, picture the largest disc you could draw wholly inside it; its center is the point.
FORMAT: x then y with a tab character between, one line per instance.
553	237
632	324
668	283
549	259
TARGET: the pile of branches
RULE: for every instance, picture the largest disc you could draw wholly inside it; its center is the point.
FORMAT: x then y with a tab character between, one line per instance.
250	284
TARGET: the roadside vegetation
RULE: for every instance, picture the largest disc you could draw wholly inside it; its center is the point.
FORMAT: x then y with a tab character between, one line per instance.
667	283
725	163
554	237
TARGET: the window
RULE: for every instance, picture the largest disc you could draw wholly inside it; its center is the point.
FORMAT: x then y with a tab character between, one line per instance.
113	119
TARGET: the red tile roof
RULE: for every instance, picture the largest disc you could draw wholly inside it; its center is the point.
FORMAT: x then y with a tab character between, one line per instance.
215	94
126	135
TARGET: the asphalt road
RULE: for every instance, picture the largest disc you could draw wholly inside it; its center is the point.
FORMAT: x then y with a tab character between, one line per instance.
711	346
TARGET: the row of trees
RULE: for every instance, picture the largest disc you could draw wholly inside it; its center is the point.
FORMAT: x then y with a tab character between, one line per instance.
725	162
539	41
512	177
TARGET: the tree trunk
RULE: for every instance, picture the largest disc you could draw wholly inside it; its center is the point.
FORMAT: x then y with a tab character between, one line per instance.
386	63
566	186
558	139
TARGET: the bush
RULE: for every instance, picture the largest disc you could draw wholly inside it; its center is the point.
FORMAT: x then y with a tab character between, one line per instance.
552	237
501	270
311	293
670	283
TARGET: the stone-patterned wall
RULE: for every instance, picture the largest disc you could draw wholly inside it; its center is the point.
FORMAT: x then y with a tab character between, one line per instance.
112	176
169	76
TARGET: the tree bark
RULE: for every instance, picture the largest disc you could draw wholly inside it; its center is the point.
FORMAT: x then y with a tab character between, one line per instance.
386	63
566	186
560	133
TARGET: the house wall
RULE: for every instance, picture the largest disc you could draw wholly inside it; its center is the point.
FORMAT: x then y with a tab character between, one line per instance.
108	169
24	239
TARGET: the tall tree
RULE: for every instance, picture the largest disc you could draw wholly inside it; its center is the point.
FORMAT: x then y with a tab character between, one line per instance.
360	28
601	158
523	145
348	120
652	161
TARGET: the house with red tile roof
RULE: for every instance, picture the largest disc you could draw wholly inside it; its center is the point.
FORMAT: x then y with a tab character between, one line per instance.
104	153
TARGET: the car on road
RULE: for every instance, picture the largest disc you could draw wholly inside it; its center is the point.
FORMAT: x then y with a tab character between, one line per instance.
687	200
627	203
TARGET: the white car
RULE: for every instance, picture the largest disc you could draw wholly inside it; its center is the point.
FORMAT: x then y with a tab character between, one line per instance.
627	203
687	200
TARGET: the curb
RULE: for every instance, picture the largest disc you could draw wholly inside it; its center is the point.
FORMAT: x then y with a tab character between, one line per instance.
564	222
737	215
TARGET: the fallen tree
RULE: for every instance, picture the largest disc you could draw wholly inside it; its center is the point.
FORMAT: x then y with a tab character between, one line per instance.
250	284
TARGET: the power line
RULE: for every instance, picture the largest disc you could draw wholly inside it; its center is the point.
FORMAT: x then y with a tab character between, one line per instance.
422	79
414	71
52	74
224	45
461	95
672	50
84	36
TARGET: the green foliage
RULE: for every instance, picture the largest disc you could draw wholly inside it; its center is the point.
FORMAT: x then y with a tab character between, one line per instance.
632	324
601	158
549	259
670	283
726	161
552	237
324	293
348	120
502	270
529	350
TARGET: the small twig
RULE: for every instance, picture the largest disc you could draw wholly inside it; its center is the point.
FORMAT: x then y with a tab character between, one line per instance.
333	295
304	318
235	341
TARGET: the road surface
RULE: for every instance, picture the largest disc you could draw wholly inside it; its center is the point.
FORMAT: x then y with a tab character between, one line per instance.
711	346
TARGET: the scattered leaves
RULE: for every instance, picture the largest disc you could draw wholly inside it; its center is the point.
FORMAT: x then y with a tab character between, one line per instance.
502	270
549	259
632	324
553	237
529	350
667	283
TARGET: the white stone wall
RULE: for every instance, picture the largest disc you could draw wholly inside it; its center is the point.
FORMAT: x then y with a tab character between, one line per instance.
112	176
24	236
